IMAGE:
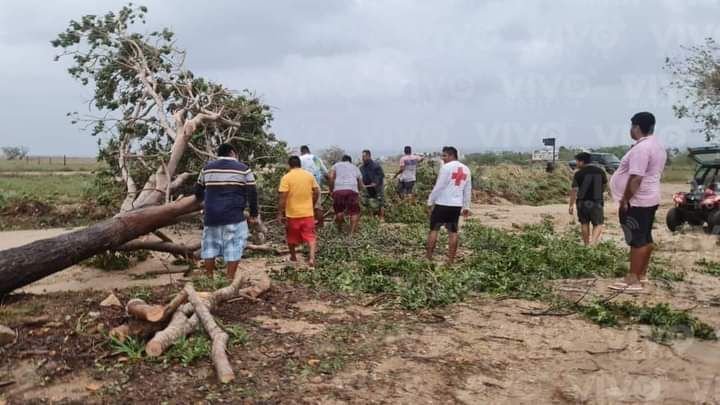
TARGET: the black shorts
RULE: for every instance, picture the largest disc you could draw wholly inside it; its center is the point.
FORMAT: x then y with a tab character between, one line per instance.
444	215
637	223
406	187
589	211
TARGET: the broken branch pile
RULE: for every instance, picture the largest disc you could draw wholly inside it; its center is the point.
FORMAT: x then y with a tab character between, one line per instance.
182	315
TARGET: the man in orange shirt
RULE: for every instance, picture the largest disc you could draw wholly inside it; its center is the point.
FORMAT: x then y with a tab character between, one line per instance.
299	192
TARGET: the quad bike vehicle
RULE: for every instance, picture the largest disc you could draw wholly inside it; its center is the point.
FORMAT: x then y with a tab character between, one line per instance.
701	205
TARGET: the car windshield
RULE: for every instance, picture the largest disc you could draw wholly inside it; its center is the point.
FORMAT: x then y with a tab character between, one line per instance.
610	158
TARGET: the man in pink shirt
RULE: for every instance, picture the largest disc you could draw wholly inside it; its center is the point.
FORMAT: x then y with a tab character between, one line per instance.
636	188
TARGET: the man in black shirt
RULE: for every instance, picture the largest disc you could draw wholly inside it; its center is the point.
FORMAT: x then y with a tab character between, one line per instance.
588	188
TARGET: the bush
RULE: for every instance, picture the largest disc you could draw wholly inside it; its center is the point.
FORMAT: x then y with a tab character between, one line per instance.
524	185
15	152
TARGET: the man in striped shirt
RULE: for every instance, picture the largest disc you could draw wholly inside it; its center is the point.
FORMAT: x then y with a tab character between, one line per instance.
226	186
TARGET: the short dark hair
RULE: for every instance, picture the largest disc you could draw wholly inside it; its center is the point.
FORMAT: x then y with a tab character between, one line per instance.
294	162
450	150
408	150
304	149
347	158
226	149
367	151
583	157
644	120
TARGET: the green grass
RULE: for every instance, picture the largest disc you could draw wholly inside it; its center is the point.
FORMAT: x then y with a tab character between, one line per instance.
49	164
708	267
58	189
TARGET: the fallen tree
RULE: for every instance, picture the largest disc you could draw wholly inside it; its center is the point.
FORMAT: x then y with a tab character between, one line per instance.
23	265
158	124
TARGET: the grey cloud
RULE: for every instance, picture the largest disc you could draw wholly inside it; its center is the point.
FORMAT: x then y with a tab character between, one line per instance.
371	73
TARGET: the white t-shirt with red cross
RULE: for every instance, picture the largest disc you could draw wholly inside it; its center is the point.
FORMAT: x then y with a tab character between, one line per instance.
453	187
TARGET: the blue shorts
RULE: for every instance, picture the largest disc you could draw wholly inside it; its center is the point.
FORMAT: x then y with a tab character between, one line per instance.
227	241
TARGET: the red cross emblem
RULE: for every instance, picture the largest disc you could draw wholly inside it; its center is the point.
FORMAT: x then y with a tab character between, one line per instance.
459	176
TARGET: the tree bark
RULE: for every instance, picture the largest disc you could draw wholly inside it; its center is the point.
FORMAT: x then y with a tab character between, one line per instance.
25	264
219	337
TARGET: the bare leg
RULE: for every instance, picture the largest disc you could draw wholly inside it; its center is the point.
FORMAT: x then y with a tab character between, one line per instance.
597	233
209	267
453	239
431	242
231	268
585	228
319	217
354	223
646	262
293	252
340	221
381	214
638	258
313	248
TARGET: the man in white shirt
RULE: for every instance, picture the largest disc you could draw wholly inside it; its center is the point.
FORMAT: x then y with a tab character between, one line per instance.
315	165
450	198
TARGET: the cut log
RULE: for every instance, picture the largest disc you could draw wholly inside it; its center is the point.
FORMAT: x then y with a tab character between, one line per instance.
184	322
219	337
7	335
25	264
136	328
144	312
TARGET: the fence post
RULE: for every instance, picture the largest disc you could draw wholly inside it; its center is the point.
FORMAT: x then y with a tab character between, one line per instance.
50	160
64	160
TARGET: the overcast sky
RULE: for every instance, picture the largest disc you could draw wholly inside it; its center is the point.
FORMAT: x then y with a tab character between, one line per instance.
385	73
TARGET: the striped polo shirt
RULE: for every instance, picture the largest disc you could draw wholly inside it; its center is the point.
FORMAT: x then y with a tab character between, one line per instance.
227	187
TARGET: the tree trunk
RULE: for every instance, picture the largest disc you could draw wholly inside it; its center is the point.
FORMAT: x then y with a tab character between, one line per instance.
25	264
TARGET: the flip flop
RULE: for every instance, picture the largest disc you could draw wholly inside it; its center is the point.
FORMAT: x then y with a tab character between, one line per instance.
626	288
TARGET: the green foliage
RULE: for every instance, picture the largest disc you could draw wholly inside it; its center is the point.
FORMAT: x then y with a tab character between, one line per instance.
524	185
406	212
695	77
667	323
205	283
188	350
131	348
142	293
145	97
113	260
496	158
709	267
52	189
238	335
383	260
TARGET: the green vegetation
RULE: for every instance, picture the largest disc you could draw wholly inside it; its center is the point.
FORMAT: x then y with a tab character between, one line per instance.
111	260
496	158
187	350
667	323
709	267
384	260
524	185
133	349
205	283
57	189
49	164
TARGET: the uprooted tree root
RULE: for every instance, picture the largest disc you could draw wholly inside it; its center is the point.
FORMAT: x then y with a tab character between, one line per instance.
166	324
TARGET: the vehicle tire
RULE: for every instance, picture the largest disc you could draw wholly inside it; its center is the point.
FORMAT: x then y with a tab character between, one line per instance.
674	219
714	222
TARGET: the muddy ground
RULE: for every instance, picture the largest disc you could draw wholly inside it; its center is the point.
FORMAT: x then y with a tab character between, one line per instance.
315	347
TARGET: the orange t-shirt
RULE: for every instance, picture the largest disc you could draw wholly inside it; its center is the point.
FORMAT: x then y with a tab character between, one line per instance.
299	185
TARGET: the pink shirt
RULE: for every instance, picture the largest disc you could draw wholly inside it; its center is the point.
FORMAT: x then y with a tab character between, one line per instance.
646	159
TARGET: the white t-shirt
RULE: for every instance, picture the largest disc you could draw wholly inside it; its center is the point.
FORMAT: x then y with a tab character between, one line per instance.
409	164
346	176
453	187
314	165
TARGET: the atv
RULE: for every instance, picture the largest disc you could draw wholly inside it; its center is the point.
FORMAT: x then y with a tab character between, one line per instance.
701	205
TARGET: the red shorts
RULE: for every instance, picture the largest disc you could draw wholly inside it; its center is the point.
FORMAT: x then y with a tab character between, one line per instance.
300	230
346	201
